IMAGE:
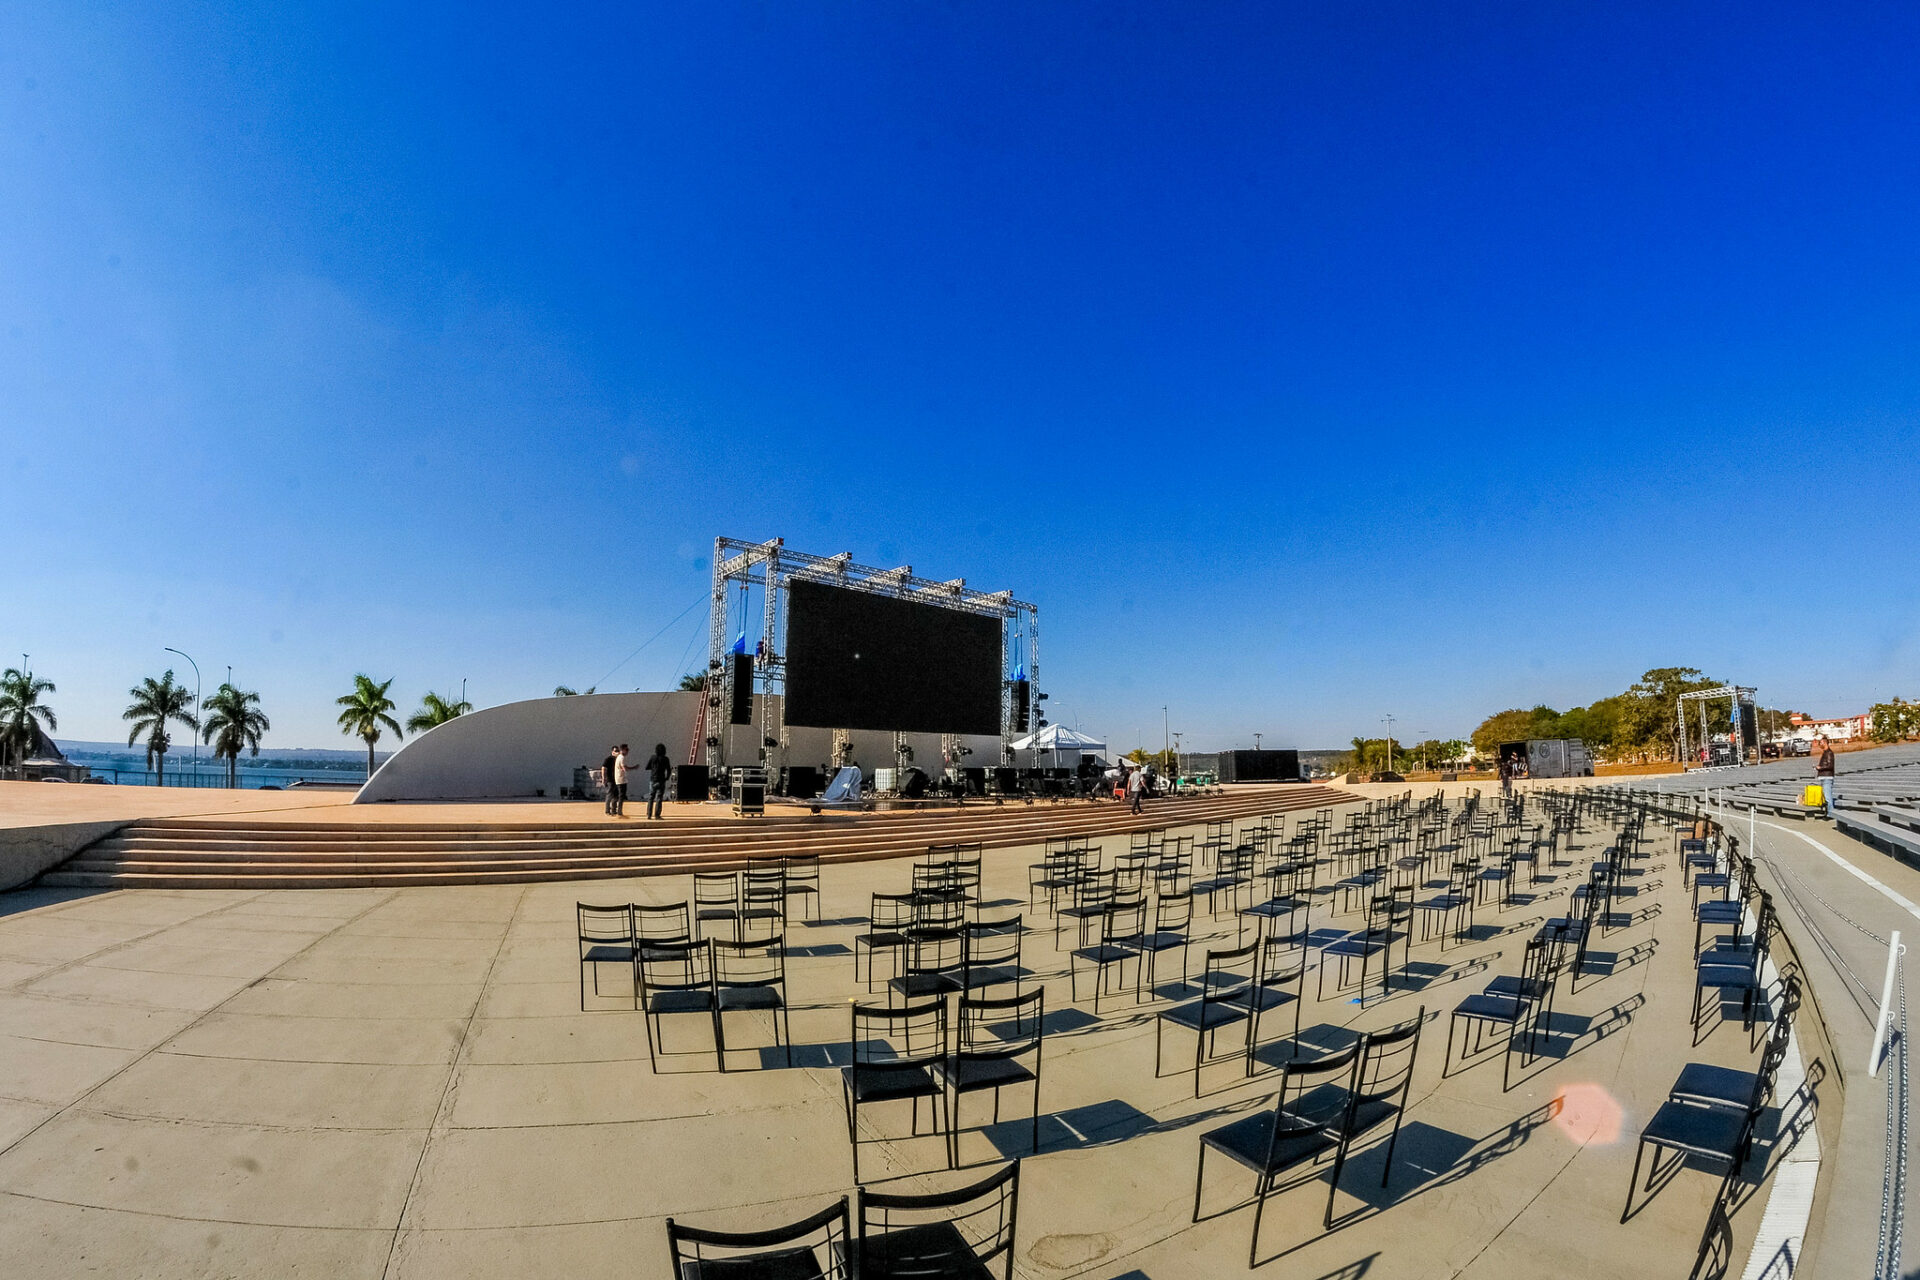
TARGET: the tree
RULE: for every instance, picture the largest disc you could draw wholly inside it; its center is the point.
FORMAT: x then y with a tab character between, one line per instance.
155	703
366	713
693	682
1654	722
234	722
1892	721
21	712
1511	725
563	691
435	710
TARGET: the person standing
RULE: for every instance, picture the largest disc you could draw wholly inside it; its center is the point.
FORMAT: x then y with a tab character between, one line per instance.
620	781
1823	771
1137	788
606	777
658	768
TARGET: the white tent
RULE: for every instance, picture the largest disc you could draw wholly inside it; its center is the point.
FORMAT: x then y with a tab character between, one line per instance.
1057	737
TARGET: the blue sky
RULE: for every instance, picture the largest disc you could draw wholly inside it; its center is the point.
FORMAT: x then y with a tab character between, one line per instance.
1303	363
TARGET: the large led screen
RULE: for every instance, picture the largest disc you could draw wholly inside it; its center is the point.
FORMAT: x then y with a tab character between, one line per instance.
856	660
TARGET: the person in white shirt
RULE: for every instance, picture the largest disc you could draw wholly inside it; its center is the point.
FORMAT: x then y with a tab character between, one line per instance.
620	782
1137	788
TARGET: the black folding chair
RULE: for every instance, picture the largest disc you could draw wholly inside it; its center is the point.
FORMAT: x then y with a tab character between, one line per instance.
1383	1079
751	977
1122	927
1524	1007
606	937
997	1046
990	954
677	978
888	920
1172	928
1712	1134
814	1248
1226	1000
895	1054
945	1233
716	901
1307	1121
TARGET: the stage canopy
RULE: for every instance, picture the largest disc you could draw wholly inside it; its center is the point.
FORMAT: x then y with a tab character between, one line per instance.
1057	737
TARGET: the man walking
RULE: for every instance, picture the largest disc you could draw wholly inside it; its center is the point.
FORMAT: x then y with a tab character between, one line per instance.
658	767
606	777
1137	788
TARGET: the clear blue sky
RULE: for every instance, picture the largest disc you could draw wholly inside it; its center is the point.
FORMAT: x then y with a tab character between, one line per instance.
1304	363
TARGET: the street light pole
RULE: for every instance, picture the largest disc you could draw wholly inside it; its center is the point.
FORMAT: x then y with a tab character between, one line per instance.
196	706
1256	742
1164	735
463	691
1388	721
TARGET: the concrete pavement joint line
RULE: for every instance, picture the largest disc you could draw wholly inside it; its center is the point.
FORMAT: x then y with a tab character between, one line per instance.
78	1102
1890	894
110	948
181	1217
443	1114
1789	1207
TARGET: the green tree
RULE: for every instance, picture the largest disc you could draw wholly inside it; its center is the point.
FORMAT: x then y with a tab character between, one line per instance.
21	714
1892	721
366	713
435	710
1654	722
564	691
1511	725
234	723
155	704
693	682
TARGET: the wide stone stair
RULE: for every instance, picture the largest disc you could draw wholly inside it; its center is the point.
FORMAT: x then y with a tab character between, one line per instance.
186	853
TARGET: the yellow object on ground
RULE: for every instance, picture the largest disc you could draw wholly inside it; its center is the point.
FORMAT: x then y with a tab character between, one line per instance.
1813	797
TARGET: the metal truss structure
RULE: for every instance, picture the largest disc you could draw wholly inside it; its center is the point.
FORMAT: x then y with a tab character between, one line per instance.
741	567
1743	708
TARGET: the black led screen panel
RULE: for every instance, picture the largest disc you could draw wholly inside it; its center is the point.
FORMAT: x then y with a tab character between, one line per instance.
856	660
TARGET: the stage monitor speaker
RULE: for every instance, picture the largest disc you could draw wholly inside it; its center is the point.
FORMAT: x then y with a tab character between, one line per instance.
803	782
1006	781
1022	700
741	711
976	781
913	785
690	781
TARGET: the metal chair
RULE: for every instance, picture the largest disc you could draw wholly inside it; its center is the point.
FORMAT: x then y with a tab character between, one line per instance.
606	937
751	977
1307	1122
944	1233
894	1054
994	1040
677	978
814	1248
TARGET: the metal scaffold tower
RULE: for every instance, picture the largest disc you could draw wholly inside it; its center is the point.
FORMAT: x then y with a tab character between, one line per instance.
740	569
1743	715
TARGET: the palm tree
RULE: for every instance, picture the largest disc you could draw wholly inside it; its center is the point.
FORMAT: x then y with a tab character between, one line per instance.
21	712
567	691
436	710
155	702
366	713
234	722
693	682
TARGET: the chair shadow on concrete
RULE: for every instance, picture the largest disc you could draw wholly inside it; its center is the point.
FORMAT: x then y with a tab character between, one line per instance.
1426	1158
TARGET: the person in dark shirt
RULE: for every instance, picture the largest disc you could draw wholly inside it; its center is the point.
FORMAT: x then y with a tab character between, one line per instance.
606	779
658	770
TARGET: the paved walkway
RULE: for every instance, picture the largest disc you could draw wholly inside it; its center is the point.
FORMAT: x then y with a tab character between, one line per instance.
399	1083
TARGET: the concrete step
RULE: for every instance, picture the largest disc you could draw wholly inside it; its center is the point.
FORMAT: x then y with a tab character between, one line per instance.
189	853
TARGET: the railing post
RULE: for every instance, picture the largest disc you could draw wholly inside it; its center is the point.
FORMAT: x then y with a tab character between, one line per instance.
1894	952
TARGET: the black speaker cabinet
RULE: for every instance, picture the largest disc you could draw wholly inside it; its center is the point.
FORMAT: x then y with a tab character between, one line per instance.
741	712
690	781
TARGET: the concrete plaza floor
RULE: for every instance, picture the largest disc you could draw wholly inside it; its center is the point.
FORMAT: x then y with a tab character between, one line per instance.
399	1083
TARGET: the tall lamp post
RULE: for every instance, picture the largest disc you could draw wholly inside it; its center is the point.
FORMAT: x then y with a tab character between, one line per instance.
1164	735
196	707
1388	721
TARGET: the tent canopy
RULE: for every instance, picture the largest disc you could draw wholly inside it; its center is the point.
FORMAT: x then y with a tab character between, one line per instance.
1057	737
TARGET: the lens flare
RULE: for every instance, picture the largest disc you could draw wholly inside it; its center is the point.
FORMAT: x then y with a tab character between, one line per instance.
1588	1114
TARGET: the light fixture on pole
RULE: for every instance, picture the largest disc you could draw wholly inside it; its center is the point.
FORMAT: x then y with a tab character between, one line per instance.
1256	742
1388	721
196	706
